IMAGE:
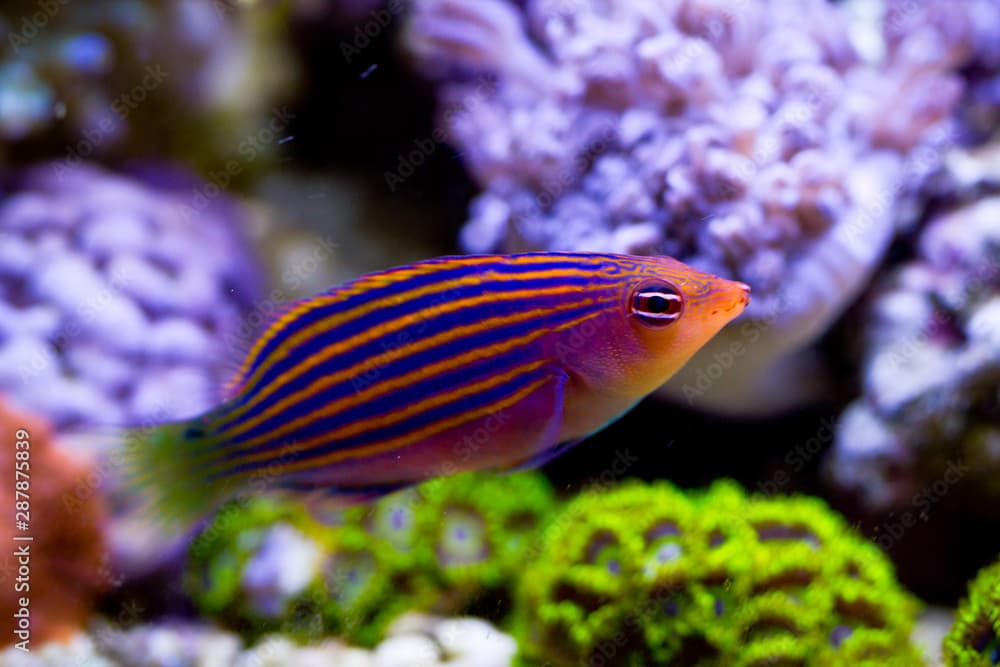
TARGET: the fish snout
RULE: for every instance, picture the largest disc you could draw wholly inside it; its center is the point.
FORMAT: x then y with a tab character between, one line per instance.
733	298
743	294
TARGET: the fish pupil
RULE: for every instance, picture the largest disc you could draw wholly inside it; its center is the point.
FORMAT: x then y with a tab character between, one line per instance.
657	304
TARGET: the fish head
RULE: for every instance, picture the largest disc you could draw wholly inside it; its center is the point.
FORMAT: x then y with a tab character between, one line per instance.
671	311
665	312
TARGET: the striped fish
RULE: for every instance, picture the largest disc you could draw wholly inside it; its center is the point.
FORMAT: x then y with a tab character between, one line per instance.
446	365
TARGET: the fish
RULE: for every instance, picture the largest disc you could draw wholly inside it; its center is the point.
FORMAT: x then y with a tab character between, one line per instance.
458	363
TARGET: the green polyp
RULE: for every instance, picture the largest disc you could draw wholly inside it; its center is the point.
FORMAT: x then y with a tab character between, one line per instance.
437	547
868	647
708	578
974	639
393	520
461	539
218	555
476	529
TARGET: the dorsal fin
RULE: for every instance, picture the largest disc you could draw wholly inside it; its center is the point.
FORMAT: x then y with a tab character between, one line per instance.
250	352
246	350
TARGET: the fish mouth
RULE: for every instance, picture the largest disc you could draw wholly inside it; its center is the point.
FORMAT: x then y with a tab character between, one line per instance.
743	294
735	296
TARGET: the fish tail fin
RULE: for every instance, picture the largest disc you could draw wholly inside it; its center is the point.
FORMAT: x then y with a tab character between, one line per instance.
166	466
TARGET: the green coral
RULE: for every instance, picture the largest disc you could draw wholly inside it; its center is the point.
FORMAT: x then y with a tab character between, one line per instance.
355	591
440	546
467	534
974	640
645	574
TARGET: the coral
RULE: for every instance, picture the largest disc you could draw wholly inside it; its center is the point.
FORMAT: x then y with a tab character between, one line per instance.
423	641
122	301
167	643
931	368
974	640
929	34
749	140
429	640
468	532
464	536
50	583
645	574
266	565
101	78
77	650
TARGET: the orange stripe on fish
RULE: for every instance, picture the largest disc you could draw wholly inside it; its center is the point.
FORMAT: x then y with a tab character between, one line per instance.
361	388
401	352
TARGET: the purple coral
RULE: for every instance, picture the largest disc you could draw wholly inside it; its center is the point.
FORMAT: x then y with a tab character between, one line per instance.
120	301
748	139
931	369
963	37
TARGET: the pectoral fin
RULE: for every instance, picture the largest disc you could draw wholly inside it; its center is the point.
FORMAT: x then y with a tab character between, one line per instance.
550	398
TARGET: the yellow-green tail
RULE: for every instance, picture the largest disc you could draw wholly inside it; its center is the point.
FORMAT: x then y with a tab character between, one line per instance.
167	466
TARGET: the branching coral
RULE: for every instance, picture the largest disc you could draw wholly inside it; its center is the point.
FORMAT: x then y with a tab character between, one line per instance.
267	565
931	369
747	139
121	301
645	574
974	640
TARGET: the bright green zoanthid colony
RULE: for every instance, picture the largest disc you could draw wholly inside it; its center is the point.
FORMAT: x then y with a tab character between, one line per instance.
646	575
267	566
974	640
636	575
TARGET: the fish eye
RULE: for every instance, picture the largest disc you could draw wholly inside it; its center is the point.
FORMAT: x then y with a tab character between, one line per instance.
657	303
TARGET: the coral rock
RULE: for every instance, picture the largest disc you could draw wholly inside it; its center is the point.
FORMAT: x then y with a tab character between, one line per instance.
62	569
177	643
